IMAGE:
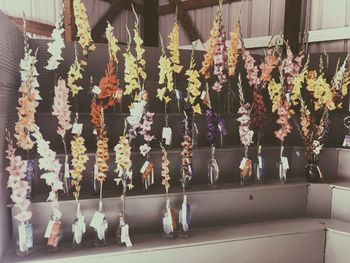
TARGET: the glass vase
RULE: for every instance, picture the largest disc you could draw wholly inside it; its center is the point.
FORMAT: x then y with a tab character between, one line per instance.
184	218
169	221
282	167
312	170
194	136
24	243
213	169
78	229
259	167
55	239
101	230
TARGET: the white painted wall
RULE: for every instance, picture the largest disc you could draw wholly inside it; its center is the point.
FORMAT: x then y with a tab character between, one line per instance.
259	18
48	11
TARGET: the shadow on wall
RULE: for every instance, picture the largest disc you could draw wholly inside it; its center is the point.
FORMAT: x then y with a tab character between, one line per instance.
11	52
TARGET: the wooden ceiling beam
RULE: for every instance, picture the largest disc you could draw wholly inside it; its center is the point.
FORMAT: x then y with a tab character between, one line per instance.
139	9
33	27
68	20
112	13
292	15
191	5
186	21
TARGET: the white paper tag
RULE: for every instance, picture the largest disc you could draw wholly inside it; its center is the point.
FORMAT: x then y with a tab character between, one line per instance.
125	238
203	95
144	167
96	90
77	128
285	163
81	223
97	220
49	229
243	162
94	132
166	135
260	162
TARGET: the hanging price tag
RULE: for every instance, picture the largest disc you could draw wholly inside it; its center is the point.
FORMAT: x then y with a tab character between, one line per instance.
245	166
203	95
166	135
285	163
54	233
81	223
146	169
97	220
77	128
125	238
242	164
96	90
49	229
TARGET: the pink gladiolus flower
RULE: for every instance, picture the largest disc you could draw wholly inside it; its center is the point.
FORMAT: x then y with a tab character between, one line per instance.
61	107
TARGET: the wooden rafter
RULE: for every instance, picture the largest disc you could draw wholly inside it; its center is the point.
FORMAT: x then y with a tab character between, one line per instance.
110	15
190	5
186	21
33	27
292	27
151	23
139	9
68	19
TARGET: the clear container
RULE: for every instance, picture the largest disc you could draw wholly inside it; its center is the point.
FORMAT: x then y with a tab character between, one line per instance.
169	221
24	242
259	167
55	241
213	169
78	229
101	231
246	173
282	167
246	169
184	218
194	136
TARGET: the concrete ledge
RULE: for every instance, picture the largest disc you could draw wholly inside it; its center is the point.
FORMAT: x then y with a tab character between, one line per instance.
294	240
